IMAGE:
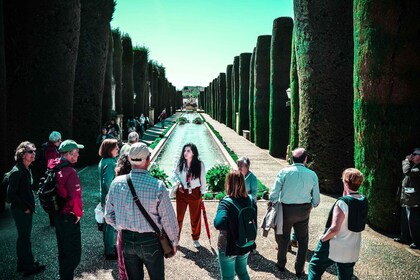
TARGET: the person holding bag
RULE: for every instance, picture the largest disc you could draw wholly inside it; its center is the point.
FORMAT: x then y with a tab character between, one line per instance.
140	242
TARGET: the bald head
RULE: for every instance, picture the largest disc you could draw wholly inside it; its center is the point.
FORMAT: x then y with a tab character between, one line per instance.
299	155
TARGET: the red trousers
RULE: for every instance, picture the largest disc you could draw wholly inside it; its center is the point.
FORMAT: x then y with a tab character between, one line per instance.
192	200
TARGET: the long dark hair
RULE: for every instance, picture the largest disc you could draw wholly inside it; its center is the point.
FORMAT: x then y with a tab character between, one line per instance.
195	168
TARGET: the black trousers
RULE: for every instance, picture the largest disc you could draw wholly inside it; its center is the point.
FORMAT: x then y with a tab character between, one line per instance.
410	225
69	244
23	224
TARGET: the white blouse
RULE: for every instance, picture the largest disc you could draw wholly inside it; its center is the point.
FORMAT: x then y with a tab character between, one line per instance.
181	177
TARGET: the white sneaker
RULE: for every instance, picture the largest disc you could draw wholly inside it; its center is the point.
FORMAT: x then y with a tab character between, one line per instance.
196	244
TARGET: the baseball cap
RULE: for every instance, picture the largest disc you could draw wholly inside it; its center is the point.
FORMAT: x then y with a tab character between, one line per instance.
416	151
138	152
69	145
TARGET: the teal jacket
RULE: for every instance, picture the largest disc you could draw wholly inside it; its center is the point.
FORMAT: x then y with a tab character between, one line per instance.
106	170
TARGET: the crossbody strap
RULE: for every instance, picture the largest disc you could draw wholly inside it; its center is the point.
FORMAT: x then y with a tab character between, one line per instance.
137	201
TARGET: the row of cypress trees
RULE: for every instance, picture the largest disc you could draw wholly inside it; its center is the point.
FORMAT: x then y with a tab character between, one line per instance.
353	79
59	61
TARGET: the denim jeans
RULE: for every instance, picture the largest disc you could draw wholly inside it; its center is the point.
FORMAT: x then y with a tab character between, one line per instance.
142	249
229	265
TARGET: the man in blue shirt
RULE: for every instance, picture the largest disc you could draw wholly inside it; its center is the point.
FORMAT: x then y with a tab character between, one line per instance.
296	188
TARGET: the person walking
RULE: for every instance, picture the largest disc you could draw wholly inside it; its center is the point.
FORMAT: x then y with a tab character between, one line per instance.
190	184
67	222
232	258
296	187
106	167
162	118
410	201
141	246
340	243
22	201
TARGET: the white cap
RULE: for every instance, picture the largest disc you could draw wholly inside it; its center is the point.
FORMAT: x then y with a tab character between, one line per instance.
138	152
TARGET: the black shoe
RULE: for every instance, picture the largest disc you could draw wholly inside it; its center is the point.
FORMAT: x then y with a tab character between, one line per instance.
36	269
281	269
399	240
300	274
111	257
19	268
413	246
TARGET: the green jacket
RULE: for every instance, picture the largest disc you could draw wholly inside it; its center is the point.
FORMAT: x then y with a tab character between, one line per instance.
410	193
106	170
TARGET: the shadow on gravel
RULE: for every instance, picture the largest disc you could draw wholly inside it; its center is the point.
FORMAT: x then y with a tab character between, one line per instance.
204	259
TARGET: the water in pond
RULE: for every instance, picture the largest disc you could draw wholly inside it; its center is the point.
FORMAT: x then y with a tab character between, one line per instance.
198	134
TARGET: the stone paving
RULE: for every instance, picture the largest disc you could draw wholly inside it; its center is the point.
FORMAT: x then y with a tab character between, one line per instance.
380	257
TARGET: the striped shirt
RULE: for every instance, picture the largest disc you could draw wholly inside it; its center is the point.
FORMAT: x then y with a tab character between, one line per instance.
123	214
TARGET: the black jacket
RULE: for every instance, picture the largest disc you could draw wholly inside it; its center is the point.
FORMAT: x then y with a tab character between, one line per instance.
19	192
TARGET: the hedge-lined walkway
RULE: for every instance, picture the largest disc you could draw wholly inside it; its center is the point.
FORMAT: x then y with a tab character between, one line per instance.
381	258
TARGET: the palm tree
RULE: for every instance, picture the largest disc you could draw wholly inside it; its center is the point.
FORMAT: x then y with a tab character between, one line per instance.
386	102
324	52
262	91
90	74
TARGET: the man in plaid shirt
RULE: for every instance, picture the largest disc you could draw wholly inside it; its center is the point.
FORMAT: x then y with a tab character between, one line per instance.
140	242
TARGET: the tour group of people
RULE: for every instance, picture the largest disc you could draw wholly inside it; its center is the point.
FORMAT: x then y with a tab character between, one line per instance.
124	182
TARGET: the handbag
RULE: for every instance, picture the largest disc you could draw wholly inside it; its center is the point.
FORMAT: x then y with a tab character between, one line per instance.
168	250
99	217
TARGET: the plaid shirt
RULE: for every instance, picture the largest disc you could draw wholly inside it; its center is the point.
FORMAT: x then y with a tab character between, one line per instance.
123	214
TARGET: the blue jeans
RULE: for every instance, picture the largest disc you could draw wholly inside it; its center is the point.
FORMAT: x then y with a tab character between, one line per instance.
142	249
229	265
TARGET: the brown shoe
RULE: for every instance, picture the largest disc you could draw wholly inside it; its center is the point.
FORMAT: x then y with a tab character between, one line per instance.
294	243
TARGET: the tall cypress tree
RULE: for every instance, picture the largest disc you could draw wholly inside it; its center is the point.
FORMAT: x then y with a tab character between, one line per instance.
262	91
3	101
90	74
244	62
324	51
117	69
294	99
387	99
281	44
127	78
222	92
107	93
251	96
229	97
140	56
41	45
235	91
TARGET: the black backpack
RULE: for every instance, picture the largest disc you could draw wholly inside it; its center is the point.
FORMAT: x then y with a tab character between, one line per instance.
4	185
50	201
247	224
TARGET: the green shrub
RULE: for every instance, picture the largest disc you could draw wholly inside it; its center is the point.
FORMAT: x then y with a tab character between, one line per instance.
208	196
158	173
182	120
154	144
198	120
262	190
216	177
220	195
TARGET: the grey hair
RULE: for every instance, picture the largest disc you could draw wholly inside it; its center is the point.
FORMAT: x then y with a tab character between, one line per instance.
244	160
55	136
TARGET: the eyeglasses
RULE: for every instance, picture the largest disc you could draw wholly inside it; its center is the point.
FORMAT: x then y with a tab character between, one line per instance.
415	154
30	151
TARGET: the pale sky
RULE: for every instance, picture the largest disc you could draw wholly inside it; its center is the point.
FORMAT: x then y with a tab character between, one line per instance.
195	40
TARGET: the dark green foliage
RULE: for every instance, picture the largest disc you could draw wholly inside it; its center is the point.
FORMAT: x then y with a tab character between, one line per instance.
294	100
251	97
229	97
117	69
386	101
41	42
198	120
281	44
182	120
158	173
140	56
127	77
155	142
3	99
324	53
244	62
231	153
261	190
207	196
107	94
222	94
216	176
220	195
90	74
235	91
262	91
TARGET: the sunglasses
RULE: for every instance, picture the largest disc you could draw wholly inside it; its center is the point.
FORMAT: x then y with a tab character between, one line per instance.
414	154
30	151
